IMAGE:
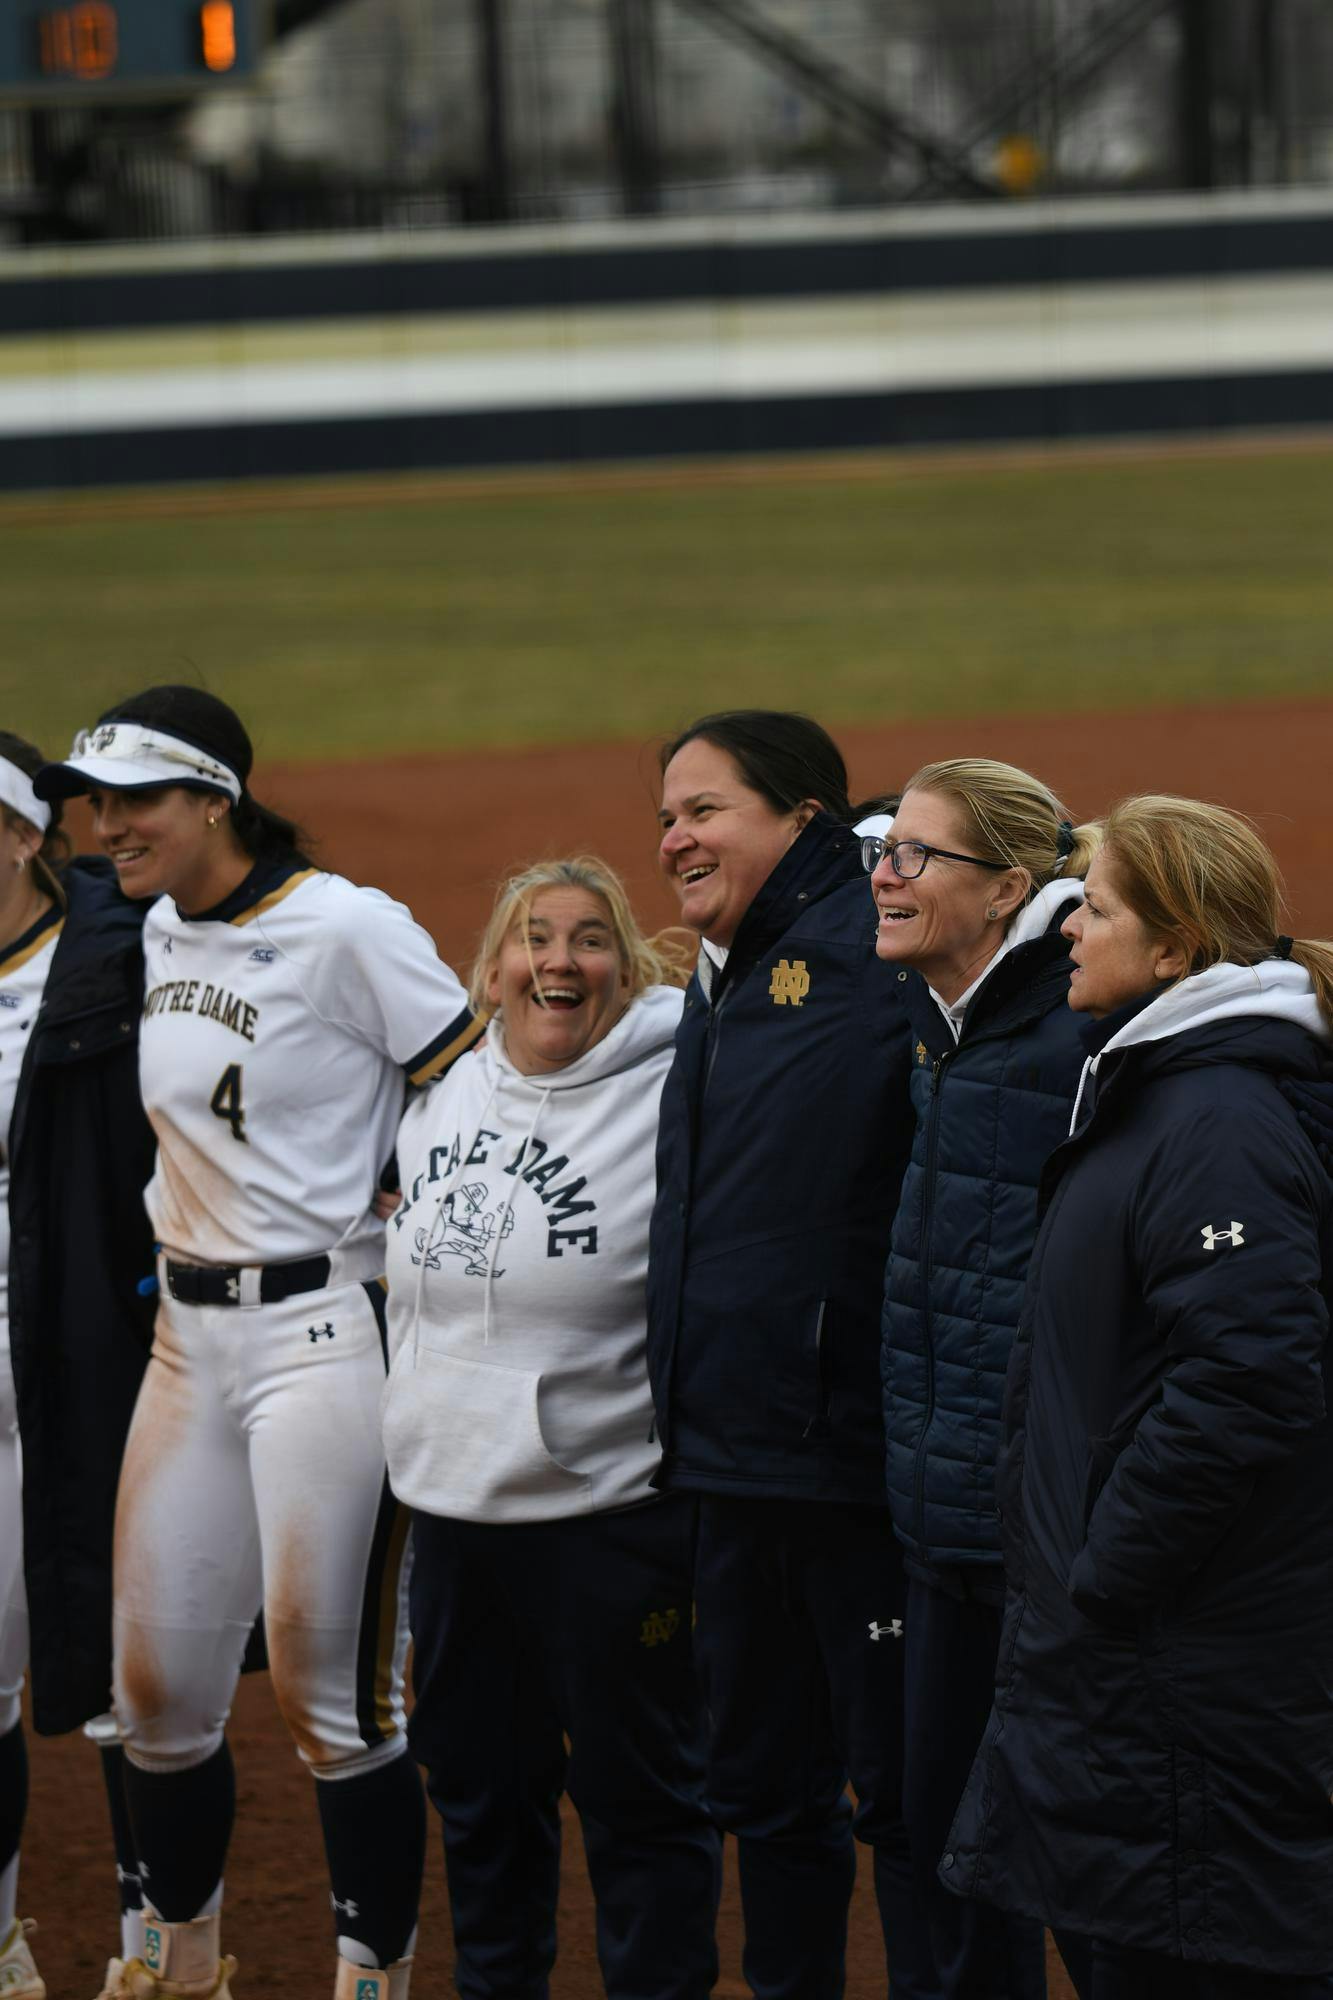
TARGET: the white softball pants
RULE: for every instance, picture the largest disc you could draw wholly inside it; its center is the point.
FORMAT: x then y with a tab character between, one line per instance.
254	1474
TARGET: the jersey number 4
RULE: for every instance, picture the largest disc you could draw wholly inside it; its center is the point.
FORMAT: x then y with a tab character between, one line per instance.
226	1101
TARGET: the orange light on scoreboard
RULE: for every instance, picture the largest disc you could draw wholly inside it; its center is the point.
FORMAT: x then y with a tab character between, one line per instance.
78	41
217	33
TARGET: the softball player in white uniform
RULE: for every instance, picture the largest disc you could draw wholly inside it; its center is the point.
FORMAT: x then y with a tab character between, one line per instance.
283	1010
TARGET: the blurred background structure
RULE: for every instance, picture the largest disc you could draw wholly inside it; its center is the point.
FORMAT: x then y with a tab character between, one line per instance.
261	237
417	114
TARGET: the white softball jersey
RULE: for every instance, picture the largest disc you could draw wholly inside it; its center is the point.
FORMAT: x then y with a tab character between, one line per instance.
24	966
518	1387
277	1032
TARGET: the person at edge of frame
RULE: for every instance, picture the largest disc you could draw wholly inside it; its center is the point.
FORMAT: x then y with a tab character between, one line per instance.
1156	1771
74	1321
972	884
286	1011
551	1589
786	1124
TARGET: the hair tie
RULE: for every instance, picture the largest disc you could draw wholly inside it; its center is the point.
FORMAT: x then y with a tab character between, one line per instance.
1282	949
1064	839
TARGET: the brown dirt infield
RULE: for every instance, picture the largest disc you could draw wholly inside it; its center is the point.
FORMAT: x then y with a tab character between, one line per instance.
437	831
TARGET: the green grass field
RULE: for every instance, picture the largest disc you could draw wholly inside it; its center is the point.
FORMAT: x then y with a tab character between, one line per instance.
530	612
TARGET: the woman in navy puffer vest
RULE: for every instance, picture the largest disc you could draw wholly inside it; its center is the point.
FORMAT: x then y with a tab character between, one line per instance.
976	876
1158	1768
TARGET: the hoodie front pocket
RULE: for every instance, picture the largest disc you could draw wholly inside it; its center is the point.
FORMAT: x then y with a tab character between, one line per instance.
464	1437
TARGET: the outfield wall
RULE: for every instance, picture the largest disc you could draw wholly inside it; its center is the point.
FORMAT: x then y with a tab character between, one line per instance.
1035	321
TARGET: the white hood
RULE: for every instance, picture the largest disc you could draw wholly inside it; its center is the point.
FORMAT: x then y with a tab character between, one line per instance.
1275	989
518	1387
645	1027
1034	919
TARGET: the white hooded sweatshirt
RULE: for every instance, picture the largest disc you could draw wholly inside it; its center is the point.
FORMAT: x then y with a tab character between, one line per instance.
518	1385
1275	988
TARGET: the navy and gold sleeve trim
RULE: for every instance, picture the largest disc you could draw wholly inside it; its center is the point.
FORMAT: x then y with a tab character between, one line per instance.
444	1051
32	941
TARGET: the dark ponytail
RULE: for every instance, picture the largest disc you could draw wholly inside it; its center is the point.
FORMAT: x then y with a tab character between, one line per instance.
263	832
200	718
783	756
52	857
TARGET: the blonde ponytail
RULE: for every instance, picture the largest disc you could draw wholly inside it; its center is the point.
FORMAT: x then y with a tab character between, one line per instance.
1315	956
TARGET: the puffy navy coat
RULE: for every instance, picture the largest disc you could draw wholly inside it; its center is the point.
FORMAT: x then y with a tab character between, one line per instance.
785	1128
989	1112
81	1152
1158	1766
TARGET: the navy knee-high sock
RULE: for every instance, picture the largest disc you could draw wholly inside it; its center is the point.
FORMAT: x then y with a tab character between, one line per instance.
181	1823
13	1792
122	1834
375	1839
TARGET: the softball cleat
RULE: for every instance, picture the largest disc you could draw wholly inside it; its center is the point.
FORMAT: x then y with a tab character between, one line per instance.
133	1981
19	1977
359	1982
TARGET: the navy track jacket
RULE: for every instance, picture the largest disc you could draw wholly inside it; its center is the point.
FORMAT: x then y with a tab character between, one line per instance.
785	1128
1158	1766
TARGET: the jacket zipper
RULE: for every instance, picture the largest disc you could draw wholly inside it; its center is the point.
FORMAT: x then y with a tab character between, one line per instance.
932	1141
658	1429
818	1425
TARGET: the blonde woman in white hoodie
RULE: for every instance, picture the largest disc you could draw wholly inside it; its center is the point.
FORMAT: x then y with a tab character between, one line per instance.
551	1586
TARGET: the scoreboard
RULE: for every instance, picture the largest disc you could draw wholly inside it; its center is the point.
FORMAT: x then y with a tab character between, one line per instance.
64	51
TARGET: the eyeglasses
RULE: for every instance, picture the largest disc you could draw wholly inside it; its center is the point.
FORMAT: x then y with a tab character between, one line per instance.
909	857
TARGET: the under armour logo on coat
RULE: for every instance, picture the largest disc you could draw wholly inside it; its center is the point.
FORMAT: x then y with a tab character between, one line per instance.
1212	1237
892	1630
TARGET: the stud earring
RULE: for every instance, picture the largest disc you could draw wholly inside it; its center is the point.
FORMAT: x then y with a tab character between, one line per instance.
212	819
992	914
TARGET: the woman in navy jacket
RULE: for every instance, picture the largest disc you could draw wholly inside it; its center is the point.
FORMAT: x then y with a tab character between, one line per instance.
972	884
1158	1767
75	1151
784	1130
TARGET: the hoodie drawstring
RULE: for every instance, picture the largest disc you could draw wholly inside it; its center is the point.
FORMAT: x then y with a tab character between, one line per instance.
452	1182
441	1198
543	1097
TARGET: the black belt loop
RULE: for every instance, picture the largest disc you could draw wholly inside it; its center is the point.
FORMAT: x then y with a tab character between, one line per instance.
220	1284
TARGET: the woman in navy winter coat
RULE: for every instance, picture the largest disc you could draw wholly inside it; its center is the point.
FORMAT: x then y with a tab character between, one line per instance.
784	1129
972	884
75	1153
1158	1768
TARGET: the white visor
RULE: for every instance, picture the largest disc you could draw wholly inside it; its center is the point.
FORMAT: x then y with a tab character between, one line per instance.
17	793
124	756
